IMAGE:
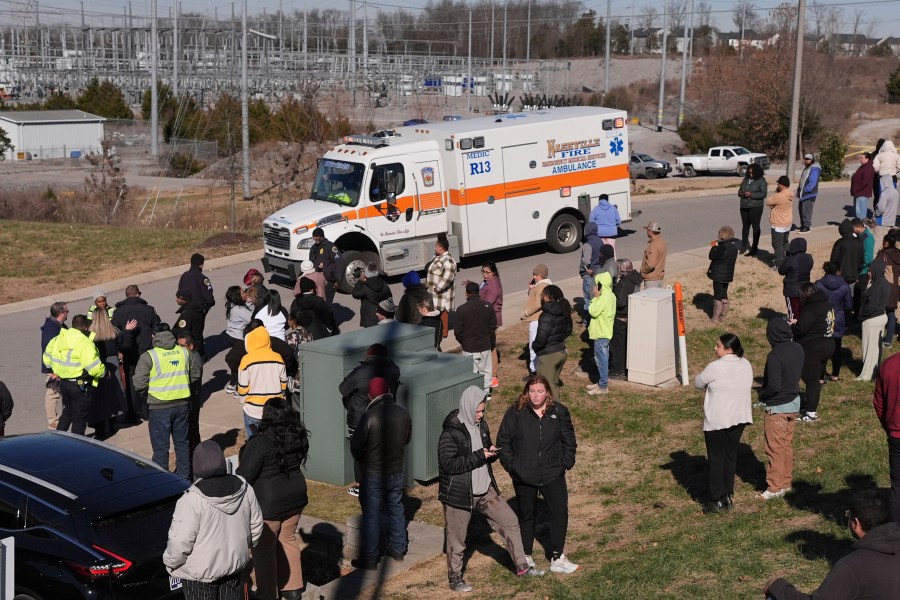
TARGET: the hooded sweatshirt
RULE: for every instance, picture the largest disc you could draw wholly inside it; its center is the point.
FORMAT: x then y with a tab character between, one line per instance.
463	469
816	321
261	374
607	218
795	268
214	525
838	293
871	570
887	161
590	249
809	182
848	252
891	259
875	298
781	205
781	378
164	340
602	309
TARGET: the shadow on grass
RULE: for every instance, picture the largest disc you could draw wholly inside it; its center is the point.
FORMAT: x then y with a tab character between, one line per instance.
814	545
831	505
692	472
703	301
226	439
765	313
479	539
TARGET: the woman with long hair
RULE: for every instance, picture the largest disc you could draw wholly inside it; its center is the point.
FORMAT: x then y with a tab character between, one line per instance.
491	291
272	462
726	411
554	326
752	196
272	314
238	315
536	443
108	398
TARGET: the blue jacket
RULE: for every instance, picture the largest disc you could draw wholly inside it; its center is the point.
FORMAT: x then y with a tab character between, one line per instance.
49	330
838	293
809	182
607	218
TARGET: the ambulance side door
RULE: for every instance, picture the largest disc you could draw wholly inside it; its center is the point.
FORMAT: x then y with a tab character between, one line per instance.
429	204
485	203
521	189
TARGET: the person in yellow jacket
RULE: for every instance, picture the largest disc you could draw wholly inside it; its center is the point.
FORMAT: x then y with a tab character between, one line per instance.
74	358
602	310
261	375
164	374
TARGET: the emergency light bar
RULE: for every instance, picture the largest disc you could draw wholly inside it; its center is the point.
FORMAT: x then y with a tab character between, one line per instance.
365	140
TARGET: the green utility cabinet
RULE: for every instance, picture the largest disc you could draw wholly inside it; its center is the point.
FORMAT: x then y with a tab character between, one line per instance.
430	386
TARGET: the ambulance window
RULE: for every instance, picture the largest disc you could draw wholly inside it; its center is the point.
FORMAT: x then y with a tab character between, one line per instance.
387	180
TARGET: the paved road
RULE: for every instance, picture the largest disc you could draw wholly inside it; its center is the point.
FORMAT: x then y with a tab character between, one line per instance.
688	223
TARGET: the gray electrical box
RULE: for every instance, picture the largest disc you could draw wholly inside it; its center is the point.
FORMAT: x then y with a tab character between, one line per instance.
430	386
651	341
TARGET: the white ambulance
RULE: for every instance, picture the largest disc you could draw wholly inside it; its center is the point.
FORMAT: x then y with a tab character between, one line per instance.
488	183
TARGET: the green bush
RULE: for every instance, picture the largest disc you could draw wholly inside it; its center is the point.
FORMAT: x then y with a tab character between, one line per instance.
831	156
893	87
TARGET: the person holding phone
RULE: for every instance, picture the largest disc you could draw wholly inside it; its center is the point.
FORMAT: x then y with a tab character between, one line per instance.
537	446
467	484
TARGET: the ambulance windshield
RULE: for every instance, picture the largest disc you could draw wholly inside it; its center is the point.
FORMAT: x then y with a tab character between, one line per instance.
338	181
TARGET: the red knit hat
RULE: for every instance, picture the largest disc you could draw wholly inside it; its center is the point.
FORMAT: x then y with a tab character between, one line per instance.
378	386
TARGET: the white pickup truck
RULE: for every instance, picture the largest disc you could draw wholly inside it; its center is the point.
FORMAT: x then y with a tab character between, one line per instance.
721	159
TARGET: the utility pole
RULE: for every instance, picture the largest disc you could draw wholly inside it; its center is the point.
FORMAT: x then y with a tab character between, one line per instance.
505	4
175	51
245	104
684	63
662	69
795	96
493	19
154	75
606	62
631	30
469	82
527	36
305	43
365	39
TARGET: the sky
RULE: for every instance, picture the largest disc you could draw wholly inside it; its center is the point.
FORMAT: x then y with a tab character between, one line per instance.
882	15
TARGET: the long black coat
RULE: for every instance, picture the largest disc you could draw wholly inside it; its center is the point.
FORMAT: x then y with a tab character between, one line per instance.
722	257
456	461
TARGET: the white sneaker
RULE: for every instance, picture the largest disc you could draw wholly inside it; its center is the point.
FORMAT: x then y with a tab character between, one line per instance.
767	495
562	565
529	560
591	387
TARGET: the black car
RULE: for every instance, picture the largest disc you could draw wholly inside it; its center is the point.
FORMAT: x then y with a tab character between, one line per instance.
89	520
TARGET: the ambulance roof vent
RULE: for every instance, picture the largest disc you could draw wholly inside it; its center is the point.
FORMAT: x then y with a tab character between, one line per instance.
478	142
366	140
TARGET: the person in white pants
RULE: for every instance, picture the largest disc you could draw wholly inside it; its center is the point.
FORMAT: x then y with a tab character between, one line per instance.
540	279
873	318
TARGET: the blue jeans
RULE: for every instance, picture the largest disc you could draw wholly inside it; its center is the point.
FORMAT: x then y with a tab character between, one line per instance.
381	500
891	327
171	422
862	206
588	285
601	357
250	425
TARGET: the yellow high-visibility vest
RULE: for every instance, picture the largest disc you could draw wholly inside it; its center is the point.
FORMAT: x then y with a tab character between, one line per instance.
170	374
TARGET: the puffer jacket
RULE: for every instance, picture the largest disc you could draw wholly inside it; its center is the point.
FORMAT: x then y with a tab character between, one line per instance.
554	326
809	182
370	292
214	525
758	190
838	293
537	450
457	460
887	161
355	387
722	258
796	268
408	307
848	252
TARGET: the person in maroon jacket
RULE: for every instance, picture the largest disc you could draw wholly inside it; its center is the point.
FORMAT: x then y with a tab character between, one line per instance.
861	185
887	407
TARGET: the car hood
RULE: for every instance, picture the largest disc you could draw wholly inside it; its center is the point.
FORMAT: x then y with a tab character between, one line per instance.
311	213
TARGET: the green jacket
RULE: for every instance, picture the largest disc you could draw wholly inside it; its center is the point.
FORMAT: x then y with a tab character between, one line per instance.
602	309
758	192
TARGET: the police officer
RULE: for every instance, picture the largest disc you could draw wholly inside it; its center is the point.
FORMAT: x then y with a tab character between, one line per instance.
197	283
164	375
326	258
74	358
191	319
132	344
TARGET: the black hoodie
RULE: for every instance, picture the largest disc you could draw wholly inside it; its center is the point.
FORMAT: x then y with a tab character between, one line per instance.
875	298
781	379
848	252
795	268
554	326
816	321
370	292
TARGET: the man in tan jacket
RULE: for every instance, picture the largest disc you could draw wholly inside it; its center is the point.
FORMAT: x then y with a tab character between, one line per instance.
653	267
532	312
781	216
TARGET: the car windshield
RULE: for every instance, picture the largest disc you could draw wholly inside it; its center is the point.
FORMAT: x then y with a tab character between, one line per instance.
338	181
646	158
738	150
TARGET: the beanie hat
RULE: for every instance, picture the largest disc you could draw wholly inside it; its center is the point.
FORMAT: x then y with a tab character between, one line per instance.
377	387
209	460
307	285
541	270
386	306
377	350
783	180
318	232
410	279
306	267
197	260
248	278
471	288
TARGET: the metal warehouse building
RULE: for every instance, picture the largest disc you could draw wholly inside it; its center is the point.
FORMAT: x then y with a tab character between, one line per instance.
45	134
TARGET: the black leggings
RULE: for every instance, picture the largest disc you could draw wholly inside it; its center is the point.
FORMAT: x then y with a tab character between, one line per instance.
837	359
750	217
720	290
556	494
815	354
721	454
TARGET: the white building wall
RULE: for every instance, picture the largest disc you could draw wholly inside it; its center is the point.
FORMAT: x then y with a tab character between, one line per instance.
59	140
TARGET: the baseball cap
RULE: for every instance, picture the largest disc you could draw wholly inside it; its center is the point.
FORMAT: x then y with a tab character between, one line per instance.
808	157
653	226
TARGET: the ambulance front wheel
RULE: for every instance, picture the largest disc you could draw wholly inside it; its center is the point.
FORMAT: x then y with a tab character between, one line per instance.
564	234
354	263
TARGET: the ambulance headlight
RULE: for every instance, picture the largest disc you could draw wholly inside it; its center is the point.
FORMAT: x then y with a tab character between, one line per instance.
306	244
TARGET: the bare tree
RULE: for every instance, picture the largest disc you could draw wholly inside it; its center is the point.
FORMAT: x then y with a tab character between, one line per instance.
648	17
703	14
782	20
677	11
105	189
826	21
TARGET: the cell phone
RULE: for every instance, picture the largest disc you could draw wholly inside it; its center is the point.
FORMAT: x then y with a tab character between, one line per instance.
497	448
531	282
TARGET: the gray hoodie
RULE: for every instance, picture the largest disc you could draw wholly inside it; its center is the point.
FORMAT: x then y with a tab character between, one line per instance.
468	406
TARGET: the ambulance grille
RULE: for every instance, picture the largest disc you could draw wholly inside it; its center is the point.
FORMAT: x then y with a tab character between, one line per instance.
277	238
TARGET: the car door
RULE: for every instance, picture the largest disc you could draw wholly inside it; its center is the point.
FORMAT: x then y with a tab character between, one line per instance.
728	160
715	159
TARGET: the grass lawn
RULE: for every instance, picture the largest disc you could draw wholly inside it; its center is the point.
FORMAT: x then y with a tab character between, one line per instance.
43	258
635	522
